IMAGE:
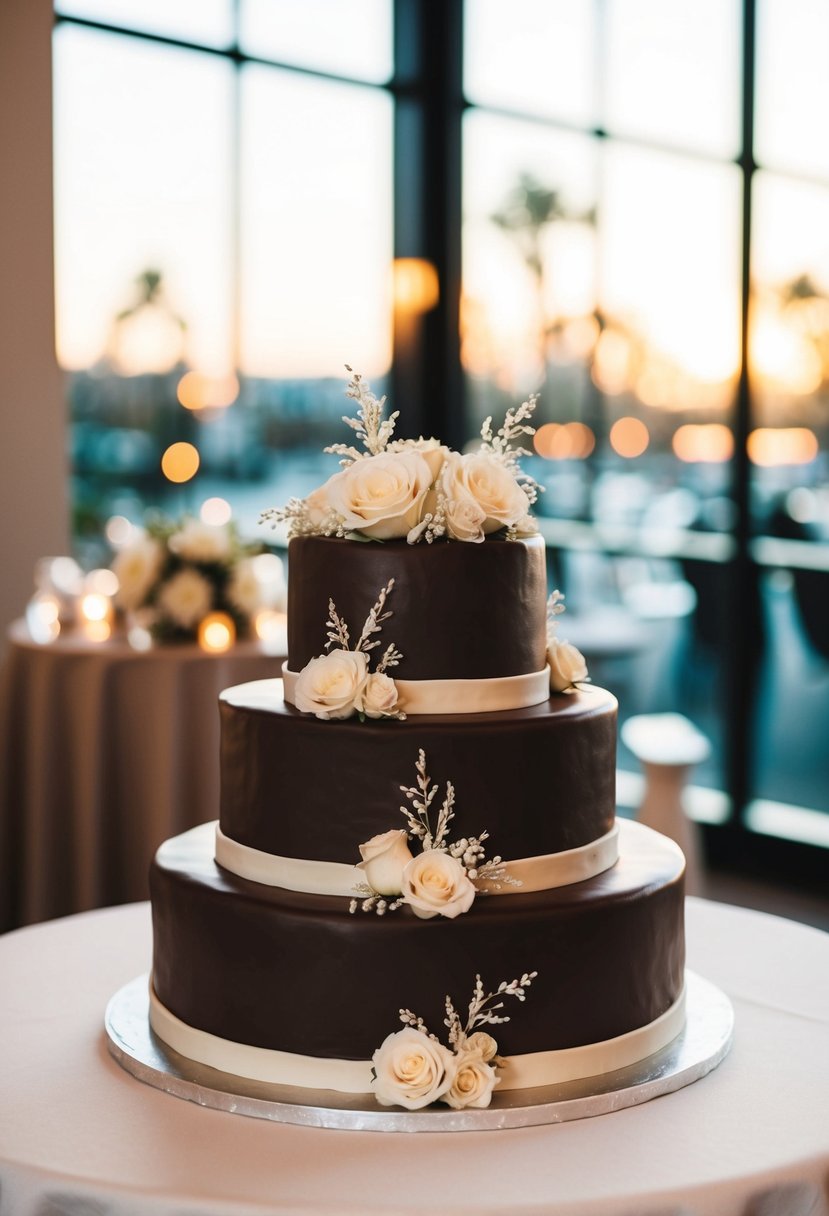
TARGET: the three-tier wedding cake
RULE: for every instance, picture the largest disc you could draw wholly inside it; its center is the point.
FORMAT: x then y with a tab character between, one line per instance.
418	887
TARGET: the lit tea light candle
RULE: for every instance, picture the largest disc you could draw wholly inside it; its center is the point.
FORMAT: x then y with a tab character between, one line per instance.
95	611
272	630
95	607
43	618
217	633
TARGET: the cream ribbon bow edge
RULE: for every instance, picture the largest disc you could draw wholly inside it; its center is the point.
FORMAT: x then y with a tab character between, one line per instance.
457	696
338	878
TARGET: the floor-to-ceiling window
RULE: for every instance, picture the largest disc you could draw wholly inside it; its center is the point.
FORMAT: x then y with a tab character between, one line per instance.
642	243
644	187
223	245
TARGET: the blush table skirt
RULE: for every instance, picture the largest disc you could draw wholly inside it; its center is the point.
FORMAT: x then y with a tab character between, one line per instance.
105	751
79	1135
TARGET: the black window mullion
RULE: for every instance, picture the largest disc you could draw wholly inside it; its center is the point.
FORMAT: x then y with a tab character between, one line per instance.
744	631
427	384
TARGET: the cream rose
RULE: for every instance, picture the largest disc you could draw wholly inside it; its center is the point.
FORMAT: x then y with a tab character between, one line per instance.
186	598
567	665
137	568
412	1070
484	1044
436	884
378	696
198	542
330	685
318	507
465	519
473	1082
385	857
481	478
382	496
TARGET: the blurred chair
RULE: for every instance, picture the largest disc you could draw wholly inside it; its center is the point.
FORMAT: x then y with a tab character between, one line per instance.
668	746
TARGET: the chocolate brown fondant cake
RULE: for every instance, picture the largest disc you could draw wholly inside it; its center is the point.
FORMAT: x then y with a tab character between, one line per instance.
421	811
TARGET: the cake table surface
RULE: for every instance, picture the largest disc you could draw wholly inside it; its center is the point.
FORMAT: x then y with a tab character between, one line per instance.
79	1134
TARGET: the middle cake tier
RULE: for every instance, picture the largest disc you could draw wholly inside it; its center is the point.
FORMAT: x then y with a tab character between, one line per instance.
539	780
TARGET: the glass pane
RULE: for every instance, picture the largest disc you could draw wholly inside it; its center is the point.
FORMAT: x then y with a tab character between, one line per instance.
790	358
348	37
670	276
789	451
316	258
528	260
142	254
533	55
206	21
142	181
673	72
792	85
619	299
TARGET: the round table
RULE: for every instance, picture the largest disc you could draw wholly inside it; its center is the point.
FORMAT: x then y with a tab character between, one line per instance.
105	751
77	1134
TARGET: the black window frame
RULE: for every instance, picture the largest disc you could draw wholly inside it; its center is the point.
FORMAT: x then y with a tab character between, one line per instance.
427	382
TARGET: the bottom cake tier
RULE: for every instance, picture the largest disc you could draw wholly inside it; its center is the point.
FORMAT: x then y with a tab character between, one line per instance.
293	988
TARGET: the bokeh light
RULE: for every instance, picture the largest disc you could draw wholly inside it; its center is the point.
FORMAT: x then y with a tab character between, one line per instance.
216	511
198	392
180	462
415	285
217	633
629	437
101	582
564	441
119	531
770	446
699	443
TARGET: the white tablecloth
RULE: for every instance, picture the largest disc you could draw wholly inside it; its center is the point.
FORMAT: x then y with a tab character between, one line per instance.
78	1135
105	751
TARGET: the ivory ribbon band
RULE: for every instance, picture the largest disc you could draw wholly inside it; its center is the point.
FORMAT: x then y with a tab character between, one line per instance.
458	696
354	1076
338	878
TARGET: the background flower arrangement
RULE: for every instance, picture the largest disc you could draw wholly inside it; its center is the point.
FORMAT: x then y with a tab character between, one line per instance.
176	574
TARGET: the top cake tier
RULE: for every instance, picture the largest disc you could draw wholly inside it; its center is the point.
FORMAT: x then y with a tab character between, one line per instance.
460	611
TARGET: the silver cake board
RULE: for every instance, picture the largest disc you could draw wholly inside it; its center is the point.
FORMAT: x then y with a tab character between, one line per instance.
698	1049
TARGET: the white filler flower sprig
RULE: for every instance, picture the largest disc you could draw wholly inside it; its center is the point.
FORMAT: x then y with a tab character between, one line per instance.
339	684
438	881
412	1068
567	664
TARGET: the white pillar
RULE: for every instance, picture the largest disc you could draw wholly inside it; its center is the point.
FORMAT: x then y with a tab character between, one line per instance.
34	467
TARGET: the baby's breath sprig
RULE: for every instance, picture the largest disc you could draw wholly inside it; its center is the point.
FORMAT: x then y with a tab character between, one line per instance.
500	445
421	797
374	621
374	431
297	514
555	607
433	524
411	1019
337	634
483	1008
373	902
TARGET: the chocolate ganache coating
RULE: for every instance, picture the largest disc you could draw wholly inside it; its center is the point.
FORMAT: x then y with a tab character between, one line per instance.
539	780
460	611
267	967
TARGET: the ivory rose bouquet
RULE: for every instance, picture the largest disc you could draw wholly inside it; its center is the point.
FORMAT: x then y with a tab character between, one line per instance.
417	489
175	574
412	1068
